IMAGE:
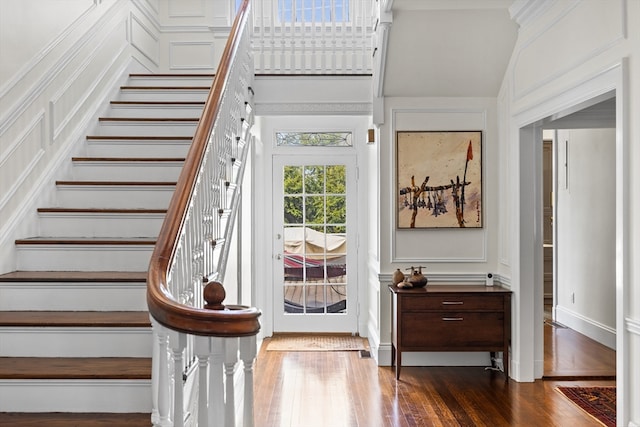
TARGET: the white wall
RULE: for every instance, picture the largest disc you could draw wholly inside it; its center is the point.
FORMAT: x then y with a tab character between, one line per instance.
567	53
61	62
192	34
450	255
65	70
28	24
586	233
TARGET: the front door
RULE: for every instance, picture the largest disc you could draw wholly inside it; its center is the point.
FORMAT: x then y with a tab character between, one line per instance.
315	244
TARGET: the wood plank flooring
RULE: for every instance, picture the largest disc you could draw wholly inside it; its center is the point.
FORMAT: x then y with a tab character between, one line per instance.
341	389
571	355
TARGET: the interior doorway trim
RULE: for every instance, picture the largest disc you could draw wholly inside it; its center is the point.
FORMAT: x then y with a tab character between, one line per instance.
528	340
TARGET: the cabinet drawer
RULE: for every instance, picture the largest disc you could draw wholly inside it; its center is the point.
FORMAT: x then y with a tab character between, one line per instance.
448	331
452	302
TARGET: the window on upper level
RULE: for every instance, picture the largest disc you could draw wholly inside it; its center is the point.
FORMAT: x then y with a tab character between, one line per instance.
313	10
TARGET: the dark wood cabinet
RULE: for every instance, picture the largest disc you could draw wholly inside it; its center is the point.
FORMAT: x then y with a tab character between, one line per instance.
450	318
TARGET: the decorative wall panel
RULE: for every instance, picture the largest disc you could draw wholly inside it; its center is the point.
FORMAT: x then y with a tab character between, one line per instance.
192	55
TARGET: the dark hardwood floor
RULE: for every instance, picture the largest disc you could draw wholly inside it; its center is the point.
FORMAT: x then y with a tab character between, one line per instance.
570	355
341	389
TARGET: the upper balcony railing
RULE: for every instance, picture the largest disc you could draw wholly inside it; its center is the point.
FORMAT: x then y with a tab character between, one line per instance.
313	36
198	341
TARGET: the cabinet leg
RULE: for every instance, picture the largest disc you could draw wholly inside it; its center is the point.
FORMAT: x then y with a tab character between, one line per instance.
393	355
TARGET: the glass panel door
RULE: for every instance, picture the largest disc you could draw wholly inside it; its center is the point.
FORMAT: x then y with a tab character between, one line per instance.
314	288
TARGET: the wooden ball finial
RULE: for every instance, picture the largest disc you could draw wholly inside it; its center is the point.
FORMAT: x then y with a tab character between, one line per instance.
214	294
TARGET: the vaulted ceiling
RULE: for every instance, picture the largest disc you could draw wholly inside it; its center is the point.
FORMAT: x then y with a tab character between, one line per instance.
448	48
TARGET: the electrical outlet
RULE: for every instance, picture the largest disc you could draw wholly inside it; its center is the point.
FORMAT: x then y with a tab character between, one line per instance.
573	297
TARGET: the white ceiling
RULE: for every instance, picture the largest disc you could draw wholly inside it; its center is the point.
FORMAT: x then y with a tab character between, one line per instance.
448	48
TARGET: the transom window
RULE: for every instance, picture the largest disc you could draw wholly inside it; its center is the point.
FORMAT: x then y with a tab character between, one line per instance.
314	139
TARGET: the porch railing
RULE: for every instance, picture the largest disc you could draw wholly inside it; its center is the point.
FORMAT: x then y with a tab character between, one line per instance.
200	343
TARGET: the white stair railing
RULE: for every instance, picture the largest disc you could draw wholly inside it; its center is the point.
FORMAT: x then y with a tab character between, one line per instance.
313	36
204	350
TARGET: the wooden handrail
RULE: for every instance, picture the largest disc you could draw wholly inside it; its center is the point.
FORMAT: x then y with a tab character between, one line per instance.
234	320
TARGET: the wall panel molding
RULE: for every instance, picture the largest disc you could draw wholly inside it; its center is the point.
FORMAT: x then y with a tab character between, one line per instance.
182	54
144	40
438	245
37	59
65	103
633	325
28	98
544	41
187	9
19	160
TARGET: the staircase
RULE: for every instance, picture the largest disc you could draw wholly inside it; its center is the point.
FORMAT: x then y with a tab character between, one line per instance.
75	336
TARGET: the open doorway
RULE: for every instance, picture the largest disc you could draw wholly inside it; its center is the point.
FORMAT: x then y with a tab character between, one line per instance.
579	223
528	336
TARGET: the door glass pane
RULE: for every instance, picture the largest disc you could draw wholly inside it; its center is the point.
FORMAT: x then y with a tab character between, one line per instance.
315	244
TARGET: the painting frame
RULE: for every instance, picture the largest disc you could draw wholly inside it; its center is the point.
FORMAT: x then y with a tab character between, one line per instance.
439	179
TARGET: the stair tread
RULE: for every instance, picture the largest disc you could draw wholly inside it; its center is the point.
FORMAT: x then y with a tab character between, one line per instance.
165	87
145	183
74	276
66	419
157	102
128	159
75	318
185	75
102	210
86	241
149	119
139	137
133	368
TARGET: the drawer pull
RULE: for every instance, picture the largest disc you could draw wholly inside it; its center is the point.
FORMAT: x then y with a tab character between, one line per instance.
452	302
451	319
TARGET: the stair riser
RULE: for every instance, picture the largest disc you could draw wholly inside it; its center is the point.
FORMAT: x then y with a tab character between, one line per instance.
114	197
155	111
129	171
182	81
163	95
83	257
146	129
100	225
75	342
117	148
66	296
116	396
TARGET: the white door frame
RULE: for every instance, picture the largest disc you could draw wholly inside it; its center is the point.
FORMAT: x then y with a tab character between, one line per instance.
527	340
347	322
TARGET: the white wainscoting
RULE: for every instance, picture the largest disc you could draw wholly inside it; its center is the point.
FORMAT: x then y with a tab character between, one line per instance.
145	39
54	102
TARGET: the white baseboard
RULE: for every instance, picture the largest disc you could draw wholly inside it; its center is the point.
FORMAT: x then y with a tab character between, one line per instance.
592	329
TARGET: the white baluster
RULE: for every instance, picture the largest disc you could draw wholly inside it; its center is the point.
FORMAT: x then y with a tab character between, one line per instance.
248	350
160	377
155	370
216	382
177	342
230	361
202	353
